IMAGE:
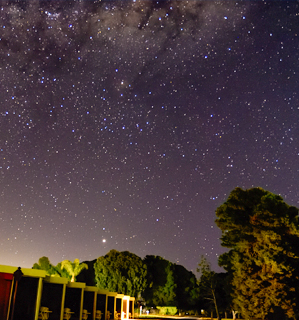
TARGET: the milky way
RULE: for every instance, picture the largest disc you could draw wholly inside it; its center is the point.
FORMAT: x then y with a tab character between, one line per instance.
125	124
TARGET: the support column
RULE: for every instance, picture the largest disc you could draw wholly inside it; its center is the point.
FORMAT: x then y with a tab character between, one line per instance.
38	298
106	306
62	301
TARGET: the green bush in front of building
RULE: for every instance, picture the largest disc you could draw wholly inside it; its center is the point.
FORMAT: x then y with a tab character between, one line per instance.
169	311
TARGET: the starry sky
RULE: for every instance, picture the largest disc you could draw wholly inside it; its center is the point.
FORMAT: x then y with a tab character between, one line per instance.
125	124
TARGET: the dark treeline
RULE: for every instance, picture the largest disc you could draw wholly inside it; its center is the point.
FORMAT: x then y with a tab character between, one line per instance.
261	281
152	280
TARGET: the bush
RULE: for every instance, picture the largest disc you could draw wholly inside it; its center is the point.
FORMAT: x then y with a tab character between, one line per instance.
170	311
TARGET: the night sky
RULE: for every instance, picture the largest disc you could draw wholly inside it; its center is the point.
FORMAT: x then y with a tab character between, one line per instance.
125	124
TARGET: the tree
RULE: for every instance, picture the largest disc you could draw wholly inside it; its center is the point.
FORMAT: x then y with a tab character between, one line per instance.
262	233
45	264
169	284
122	272
187	291
161	289
73	268
208	283
88	275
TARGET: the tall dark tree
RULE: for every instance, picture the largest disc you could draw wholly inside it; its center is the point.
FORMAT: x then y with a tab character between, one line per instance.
210	286
262	233
169	284
187	291
161	289
122	272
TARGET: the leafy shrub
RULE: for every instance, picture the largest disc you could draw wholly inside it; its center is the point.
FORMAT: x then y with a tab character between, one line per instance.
170	311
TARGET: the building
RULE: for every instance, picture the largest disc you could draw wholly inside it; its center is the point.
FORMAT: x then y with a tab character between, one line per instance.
30	294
